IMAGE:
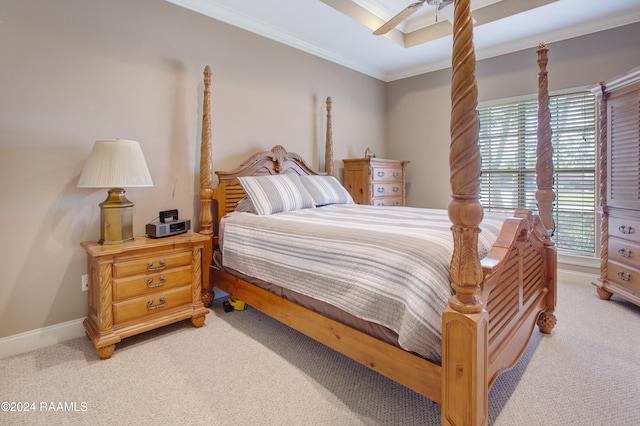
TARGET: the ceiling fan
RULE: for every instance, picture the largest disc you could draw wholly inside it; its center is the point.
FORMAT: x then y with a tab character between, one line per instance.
408	11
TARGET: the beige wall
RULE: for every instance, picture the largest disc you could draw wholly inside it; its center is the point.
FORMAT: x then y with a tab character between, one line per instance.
418	107
73	71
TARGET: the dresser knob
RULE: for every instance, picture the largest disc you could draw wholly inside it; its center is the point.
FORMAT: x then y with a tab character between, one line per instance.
624	276
624	252
396	174
380	173
625	229
396	189
150	306
380	189
151	268
162	280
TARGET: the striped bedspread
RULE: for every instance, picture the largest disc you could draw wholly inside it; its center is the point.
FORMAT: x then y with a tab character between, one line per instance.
388	265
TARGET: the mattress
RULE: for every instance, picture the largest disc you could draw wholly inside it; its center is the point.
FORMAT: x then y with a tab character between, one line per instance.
383	265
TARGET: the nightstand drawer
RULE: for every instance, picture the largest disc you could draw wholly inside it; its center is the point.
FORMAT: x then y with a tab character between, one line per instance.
124	288
387	174
624	275
153	304
628	229
158	263
387	189
624	252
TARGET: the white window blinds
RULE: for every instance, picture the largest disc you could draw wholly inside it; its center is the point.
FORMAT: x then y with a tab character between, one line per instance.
508	149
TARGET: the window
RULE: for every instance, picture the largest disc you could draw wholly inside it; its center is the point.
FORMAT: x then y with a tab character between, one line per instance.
508	150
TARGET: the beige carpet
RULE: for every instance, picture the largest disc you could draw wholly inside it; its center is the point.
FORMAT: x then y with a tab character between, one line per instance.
244	368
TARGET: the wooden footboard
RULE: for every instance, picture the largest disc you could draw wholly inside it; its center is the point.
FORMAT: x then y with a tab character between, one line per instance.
519	279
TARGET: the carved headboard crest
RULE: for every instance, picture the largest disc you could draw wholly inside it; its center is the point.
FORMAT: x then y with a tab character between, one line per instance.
278	155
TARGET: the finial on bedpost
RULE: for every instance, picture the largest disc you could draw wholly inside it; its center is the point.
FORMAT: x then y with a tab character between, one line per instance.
328	149
544	162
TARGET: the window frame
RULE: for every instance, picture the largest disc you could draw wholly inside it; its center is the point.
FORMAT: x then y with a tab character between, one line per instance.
577	258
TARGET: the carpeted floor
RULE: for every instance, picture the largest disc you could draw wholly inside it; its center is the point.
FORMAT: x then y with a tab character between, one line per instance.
245	368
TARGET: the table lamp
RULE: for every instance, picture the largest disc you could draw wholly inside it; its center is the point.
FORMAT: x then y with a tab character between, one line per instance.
115	164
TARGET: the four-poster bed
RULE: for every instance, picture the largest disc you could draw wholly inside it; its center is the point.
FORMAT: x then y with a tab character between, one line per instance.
497	299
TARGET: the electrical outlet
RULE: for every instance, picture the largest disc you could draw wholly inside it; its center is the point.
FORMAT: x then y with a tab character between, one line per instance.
85	282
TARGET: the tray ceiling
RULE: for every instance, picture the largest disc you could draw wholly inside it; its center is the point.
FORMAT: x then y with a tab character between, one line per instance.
342	30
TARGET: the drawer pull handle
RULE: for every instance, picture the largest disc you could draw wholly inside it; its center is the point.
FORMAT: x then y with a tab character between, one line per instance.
624	252
150	306
380	173
380	203
380	189
396	174
624	276
625	229
162	280
396	189
157	268
396	203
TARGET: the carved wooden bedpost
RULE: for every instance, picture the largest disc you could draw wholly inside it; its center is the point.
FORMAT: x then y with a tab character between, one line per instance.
464	322
544	182
206	185
328	149
544	163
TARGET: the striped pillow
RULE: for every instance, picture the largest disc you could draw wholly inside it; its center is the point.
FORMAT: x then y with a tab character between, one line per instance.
276	193
326	190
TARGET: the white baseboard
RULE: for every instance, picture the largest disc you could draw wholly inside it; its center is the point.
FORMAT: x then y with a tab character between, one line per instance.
575	277
58	333
40	338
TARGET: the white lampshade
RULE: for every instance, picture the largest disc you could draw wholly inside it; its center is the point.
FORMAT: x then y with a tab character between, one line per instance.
115	163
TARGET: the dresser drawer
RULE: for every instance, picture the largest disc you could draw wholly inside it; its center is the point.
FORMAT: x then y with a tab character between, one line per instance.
624	275
387	201
149	264
387	189
629	229
135	285
386	174
624	252
153	304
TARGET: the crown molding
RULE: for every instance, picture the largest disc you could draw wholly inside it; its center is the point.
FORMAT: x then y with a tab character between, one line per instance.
250	24
245	22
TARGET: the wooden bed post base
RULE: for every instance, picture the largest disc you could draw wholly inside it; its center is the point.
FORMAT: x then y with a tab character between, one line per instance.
547	320
464	372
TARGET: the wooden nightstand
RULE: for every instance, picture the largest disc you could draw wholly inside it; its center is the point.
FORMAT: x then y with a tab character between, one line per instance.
142	285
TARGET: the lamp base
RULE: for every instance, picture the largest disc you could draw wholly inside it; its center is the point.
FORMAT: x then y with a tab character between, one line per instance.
116	218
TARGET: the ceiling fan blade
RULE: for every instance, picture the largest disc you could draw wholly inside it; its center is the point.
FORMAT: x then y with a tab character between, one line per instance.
396	20
447	12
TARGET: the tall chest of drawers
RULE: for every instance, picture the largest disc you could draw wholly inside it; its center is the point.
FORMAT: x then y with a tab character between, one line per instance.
619	195
376	181
142	285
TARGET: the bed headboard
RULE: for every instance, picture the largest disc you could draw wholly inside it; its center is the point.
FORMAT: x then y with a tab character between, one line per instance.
228	193
277	161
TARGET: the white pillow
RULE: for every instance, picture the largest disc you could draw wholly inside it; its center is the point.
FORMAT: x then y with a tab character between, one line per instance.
276	193
326	190
245	205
